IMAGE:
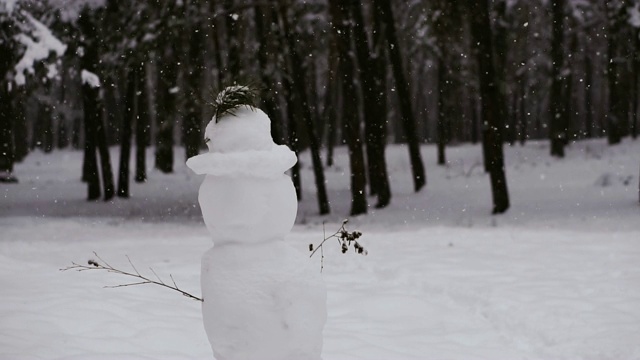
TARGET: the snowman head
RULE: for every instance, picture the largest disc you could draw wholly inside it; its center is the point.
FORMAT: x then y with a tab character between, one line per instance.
239	139
236	124
247	128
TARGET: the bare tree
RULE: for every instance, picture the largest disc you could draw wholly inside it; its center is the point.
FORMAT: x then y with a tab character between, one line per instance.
385	12
341	18
371	59
297	82
95	135
192	124
481	31
557	133
126	132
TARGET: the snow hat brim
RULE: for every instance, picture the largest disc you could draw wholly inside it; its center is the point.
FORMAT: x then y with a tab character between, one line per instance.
260	163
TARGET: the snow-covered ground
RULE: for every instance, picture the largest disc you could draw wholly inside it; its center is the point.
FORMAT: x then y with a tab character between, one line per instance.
557	277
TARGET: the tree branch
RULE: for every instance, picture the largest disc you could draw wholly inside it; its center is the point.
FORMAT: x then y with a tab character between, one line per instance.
345	240
105	266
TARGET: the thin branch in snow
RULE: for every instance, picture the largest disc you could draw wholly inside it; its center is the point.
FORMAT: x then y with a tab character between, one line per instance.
124	285
154	273
101	264
345	240
133	266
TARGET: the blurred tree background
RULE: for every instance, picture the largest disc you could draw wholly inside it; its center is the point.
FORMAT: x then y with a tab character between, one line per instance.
364	73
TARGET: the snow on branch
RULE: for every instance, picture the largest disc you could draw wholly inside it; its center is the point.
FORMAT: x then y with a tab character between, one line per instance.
101	264
7	6
39	46
70	10
634	16
90	79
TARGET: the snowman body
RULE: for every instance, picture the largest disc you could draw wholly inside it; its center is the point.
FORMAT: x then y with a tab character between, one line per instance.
263	299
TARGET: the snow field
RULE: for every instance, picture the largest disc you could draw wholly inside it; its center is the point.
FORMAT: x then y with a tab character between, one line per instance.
556	277
445	293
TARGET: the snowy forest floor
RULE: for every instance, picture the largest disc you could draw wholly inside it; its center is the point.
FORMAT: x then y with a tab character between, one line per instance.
556	277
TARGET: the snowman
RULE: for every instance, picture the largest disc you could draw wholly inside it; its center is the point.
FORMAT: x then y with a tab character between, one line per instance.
263	299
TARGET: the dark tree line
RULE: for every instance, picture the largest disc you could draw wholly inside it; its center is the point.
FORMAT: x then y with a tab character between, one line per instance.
362	73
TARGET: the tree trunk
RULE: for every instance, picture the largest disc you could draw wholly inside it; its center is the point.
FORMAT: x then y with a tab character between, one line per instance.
62	133
341	17
511	118
167	107
373	87
616	98
500	52
112	112
481	32
95	136
75	134
90	165
11	113
292	129
334	118
384	11
445	29
636	84
6	112
233	43
440	125
268	101
379	129
20	126
522	118
6	135
474	120
191	126
557	135
142	123
45	117
125	138
217	48
298	81
567	98
485	141
588	96
333	100
103	151
63	128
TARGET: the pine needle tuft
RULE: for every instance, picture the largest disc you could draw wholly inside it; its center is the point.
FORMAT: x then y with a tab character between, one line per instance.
231	98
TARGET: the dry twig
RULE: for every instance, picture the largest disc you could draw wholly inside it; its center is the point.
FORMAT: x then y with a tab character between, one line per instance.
345	240
103	265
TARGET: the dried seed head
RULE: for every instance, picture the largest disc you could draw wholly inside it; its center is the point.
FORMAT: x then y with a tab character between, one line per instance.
344	248
310	247
93	262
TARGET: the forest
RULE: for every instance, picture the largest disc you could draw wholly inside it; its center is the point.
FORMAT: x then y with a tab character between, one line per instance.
94	74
